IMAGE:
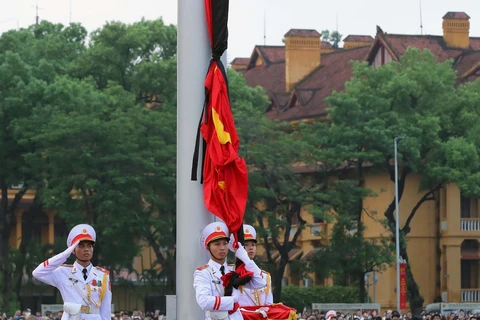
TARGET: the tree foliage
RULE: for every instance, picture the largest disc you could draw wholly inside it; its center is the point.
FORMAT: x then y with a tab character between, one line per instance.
334	37
91	128
277	193
416	97
300	298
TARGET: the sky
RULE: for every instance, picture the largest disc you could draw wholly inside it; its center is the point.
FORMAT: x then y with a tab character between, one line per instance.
250	20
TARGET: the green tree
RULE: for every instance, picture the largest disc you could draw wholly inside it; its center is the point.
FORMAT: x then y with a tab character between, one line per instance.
415	97
342	165
334	37
277	193
55	106
140	57
29	59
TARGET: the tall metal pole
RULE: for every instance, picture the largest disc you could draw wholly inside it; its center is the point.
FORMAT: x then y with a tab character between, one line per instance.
397	231
193	57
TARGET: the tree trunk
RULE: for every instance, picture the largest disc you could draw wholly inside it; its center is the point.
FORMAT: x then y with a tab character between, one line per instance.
361	287
5	264
277	279
360	227
413	294
27	231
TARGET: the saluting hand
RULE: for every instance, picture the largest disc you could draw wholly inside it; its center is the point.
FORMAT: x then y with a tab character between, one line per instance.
70	249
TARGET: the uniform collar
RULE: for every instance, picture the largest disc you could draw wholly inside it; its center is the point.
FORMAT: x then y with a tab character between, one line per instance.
78	267
216	267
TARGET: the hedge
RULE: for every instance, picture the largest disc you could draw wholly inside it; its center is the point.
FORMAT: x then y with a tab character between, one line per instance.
298	298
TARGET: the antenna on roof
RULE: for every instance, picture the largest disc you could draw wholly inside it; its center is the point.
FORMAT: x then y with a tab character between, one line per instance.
336	23
265	27
37	18
421	20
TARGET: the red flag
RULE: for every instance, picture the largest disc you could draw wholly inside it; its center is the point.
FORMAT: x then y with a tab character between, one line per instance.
225	176
276	311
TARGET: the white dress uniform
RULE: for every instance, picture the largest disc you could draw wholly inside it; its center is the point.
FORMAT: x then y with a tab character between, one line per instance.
258	297
254	297
208	285
88	299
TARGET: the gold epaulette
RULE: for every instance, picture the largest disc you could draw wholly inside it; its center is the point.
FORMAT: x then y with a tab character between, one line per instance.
103	270
202	267
67	265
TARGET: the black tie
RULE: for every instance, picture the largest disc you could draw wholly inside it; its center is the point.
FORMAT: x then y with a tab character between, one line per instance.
222	270
85	273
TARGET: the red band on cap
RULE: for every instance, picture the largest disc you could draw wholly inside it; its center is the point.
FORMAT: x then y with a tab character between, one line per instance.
82	237
215	236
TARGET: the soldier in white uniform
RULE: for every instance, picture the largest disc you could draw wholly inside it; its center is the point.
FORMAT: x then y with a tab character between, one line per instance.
254	297
207	280
85	289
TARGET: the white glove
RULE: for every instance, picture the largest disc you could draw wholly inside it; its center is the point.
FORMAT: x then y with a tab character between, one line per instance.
69	250
235	295
242	254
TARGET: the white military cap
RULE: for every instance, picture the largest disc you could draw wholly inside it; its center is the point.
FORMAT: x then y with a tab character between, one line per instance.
81	232
214	231
331	314
249	234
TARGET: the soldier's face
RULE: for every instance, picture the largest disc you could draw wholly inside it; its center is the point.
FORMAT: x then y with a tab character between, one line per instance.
251	248
218	249
84	250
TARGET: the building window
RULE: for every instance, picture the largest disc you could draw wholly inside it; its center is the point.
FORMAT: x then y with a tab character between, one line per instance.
464	207
468	207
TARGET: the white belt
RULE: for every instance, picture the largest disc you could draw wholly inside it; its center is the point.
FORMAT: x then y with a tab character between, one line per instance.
75	309
217	315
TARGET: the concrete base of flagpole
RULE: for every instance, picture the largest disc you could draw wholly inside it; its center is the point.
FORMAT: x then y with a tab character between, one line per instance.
193	56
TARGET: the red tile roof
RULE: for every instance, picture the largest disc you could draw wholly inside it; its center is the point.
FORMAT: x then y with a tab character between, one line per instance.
241	61
312	91
270	77
307	100
399	43
359	38
302	33
466	62
326	45
456	15
273	54
475	43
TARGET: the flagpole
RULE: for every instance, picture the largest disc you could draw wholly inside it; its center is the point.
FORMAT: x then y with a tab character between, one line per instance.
193	57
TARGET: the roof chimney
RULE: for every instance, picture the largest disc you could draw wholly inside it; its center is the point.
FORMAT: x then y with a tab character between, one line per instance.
456	28
302	55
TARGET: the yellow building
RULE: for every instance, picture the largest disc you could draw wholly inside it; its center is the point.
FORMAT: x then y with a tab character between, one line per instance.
442	245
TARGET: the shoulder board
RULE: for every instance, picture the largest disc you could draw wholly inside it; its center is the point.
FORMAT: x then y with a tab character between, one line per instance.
265	272
103	270
202	267
67	265
231	265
